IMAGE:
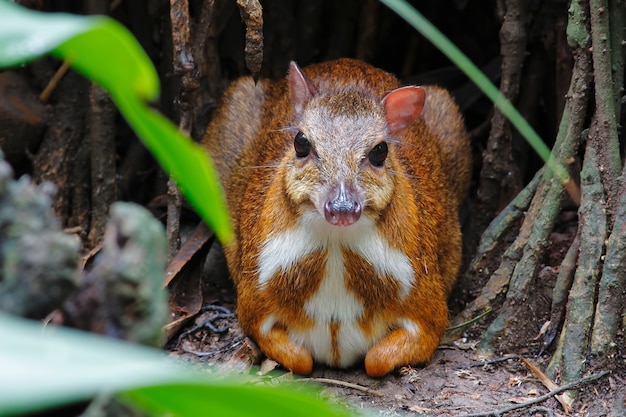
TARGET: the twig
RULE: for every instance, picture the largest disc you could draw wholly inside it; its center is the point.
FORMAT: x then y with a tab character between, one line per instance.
174	207
346	385
200	354
490	362
541	409
222	313
542	398
54	81
470	321
566	402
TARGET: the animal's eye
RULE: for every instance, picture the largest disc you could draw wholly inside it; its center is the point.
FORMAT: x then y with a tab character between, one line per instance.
378	154
302	145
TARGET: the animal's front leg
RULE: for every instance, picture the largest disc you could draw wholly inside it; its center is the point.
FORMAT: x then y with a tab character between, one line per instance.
407	345
278	346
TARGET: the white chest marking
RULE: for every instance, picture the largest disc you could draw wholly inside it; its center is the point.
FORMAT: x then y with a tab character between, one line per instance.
333	302
312	233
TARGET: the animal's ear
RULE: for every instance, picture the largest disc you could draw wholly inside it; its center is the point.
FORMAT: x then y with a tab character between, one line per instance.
300	88
402	106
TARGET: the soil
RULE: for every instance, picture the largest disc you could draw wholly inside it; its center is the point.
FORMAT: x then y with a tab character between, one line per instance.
457	381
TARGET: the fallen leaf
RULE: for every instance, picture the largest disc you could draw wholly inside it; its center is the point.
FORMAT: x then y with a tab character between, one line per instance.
420	409
267	366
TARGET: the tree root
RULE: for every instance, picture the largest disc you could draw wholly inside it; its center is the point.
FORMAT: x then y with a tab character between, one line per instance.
532	242
611	299
500	178
519	264
101	139
490	240
596	300
588	297
185	67
592	229
560	293
606	112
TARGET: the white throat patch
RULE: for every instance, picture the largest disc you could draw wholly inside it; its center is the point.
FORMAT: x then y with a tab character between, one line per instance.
333	302
283	249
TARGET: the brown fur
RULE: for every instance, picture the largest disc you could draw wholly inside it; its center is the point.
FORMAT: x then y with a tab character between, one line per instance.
414	202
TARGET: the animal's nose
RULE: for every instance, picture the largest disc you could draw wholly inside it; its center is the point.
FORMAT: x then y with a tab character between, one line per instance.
344	208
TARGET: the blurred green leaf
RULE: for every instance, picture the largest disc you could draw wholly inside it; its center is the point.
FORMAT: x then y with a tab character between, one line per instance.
108	54
42	367
25	35
231	400
104	51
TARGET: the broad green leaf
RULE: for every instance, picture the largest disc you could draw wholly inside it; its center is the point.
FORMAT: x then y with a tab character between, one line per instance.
104	51
241	400
42	367
186	161
25	35
109	55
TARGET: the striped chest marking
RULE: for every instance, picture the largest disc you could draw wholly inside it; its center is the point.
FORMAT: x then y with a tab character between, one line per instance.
336	338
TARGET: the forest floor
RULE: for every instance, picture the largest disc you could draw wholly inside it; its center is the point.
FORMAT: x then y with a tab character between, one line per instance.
456	382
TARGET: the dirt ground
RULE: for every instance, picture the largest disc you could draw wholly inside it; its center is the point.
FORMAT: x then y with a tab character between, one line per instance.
457	382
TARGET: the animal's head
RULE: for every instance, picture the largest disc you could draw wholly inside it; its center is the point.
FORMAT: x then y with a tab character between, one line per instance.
342	160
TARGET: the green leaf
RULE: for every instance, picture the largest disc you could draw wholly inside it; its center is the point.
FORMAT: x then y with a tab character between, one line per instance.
228	400
42	367
186	161
109	55
25	35
104	51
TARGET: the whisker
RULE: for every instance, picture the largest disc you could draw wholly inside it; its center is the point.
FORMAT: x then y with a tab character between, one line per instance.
400	143
262	166
404	174
282	129
367	200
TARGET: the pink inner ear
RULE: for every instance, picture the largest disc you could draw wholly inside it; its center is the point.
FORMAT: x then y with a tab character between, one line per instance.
403	106
300	89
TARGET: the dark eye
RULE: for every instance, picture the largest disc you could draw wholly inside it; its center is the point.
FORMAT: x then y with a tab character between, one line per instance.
302	145
378	154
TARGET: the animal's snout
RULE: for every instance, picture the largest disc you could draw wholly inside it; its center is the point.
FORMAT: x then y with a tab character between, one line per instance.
343	208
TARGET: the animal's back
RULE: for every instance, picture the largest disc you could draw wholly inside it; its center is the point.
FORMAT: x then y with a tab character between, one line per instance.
443	118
